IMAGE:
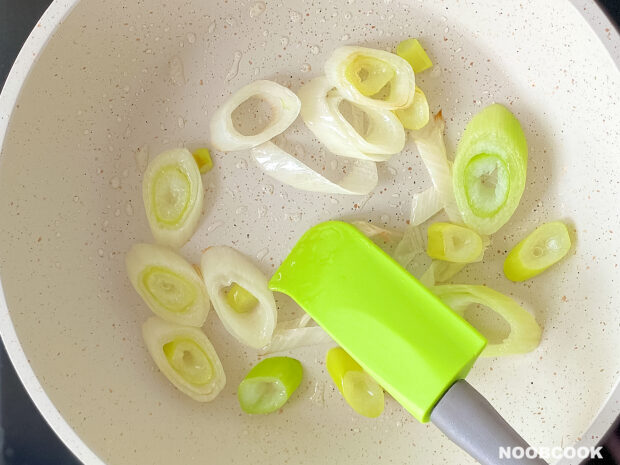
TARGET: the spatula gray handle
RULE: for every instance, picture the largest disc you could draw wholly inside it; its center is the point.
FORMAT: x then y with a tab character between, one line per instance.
470	421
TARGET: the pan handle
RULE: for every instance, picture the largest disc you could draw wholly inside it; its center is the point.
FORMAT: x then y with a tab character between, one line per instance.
472	423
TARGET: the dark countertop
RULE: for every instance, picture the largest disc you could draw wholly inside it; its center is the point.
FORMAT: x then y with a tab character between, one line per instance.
25	438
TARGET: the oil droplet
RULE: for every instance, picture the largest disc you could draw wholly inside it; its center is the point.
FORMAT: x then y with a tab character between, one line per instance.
318	395
385	218
306	67
299	150
241	210
76	199
347	15
100	252
315	50
257	9
345	37
115	182
129	209
142	158
175	69
211	27
295	16
181	122
191	37
234	68
284	41
262	211
214	226
262	253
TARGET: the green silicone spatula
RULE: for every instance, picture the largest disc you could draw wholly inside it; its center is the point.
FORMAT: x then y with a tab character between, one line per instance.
399	332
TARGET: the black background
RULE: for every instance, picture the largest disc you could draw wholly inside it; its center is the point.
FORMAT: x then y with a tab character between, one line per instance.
27	440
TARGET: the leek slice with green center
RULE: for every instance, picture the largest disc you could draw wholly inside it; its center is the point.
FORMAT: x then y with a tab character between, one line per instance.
268	385
545	246
453	243
370	77
489	169
358	388
186	357
225	269
168	284
173	196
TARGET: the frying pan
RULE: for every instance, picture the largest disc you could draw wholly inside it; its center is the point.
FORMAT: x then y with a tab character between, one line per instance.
101	84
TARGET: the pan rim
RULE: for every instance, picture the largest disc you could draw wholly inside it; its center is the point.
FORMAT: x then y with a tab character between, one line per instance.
54	16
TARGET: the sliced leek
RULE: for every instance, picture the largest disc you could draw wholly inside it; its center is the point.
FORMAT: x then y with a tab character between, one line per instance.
284	104
489	169
173	196
430	144
381	236
416	115
409	247
369	75
425	205
375	134
358	388
203	159
358	71
285	339
524	331
412	51
439	272
545	246
453	243
168	284
240	300
186	357
360	179
268	385
223	267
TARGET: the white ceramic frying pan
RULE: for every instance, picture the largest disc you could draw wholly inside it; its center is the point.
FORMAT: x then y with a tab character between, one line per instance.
101	83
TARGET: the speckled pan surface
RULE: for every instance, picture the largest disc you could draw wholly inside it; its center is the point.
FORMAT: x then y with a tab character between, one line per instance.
120	81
